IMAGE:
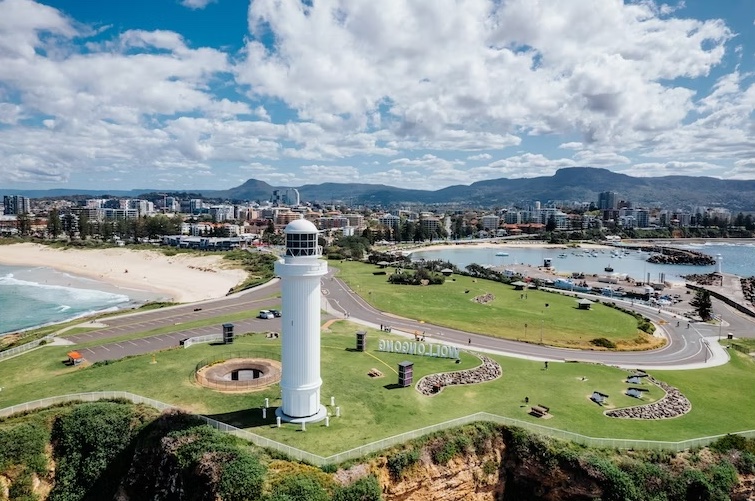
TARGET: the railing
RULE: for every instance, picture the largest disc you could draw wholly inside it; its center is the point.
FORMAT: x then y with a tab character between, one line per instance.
301	455
12	352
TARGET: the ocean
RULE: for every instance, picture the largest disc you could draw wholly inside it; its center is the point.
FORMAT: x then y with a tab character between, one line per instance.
738	259
34	296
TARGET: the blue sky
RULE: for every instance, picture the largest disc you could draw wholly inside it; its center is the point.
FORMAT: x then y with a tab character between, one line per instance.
197	94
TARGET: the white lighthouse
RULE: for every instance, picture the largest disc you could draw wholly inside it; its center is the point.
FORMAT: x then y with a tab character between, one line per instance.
300	272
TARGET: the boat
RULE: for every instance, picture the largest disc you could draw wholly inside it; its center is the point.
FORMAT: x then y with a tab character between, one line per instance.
562	255
608	268
502	254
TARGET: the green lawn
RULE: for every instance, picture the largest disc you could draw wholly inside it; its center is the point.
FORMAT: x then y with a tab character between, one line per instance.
452	305
373	409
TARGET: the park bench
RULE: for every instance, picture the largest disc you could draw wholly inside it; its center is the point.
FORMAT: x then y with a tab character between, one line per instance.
598	397
539	410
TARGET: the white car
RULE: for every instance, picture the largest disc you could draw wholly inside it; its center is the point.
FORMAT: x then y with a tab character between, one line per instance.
266	314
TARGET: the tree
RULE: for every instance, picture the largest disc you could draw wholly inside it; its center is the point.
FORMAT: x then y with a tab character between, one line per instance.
24	223
702	304
550	225
54	226
269	234
85	228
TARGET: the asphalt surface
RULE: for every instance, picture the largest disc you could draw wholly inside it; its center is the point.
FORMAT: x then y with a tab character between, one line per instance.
692	346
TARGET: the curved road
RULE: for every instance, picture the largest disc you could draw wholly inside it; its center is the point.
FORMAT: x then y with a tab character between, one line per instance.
688	347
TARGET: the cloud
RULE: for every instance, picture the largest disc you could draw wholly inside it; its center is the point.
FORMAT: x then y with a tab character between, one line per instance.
481	156
600	158
196	4
656	169
410	84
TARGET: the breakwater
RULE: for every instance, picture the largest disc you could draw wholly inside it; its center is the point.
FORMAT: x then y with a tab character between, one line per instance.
673	255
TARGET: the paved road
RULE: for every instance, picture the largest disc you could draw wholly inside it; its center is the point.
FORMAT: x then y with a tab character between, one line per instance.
688	347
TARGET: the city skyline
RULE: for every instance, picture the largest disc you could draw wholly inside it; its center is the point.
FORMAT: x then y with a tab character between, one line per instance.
207	94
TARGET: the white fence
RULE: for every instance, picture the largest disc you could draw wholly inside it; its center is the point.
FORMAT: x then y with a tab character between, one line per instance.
300	455
25	347
209	338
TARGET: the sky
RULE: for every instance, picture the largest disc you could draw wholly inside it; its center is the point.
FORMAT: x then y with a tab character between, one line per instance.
205	94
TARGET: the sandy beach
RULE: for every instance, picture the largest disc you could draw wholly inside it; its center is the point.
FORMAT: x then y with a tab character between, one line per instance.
182	278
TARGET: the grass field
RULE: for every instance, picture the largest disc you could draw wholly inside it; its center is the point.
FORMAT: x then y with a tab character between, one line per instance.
373	409
452	305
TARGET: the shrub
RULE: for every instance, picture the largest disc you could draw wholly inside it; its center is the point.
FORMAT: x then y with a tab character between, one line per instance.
364	489
444	452
22	488
85	443
400	461
242	478
489	467
603	342
24	445
299	487
732	442
329	468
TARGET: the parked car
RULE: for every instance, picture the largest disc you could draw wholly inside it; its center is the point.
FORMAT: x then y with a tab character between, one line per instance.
266	314
276	313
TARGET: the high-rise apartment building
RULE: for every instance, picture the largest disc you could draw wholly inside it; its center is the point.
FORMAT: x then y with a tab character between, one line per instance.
608	200
14	205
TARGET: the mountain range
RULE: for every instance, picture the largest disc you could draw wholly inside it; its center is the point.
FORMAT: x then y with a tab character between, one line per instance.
568	184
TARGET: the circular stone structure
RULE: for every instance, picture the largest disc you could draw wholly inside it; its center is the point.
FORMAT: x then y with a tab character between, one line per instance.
240	374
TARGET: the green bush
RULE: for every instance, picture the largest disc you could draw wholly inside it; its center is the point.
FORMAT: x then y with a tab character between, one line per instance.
85	443
199	440
489	467
732	442
364	489
444	452
22	488
603	342
329	468
298	487
242	478
24	445
400	461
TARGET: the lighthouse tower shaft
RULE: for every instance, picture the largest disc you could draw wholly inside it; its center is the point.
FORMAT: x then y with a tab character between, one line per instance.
300	273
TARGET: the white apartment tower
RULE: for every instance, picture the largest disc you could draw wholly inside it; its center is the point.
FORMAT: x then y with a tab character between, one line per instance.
300	271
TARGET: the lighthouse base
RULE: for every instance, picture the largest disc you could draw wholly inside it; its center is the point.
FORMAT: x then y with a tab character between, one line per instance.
321	413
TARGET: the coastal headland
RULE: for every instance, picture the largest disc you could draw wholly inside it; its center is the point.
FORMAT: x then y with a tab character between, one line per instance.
181	278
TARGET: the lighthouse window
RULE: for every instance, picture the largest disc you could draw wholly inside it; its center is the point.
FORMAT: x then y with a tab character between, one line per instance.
301	244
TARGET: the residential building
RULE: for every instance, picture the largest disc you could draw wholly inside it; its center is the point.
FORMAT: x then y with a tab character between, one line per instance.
14	205
608	200
490	222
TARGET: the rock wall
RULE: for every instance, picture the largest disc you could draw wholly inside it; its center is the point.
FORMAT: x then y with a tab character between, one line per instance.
464	478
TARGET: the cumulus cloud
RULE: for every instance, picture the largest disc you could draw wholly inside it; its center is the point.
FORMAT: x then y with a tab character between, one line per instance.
196	4
655	169
411	83
481	156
